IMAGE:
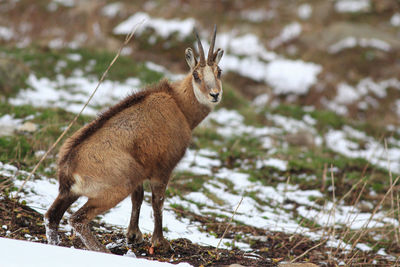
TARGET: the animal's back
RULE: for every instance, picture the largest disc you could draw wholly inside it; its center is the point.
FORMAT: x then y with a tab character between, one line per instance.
130	146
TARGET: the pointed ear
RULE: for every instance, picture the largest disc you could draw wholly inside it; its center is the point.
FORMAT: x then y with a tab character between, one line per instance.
218	55
190	58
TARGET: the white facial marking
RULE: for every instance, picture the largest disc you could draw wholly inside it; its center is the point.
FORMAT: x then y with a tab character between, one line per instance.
208	76
203	99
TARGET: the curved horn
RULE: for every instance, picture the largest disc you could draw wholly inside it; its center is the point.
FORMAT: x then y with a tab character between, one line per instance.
201	51
210	57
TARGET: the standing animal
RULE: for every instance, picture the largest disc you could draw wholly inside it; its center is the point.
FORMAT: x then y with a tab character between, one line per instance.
142	137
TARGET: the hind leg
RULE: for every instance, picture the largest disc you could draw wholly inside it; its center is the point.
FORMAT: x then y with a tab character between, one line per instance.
93	207
54	214
134	235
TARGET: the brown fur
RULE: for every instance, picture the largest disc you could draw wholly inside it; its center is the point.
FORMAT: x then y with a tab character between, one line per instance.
142	137
67	151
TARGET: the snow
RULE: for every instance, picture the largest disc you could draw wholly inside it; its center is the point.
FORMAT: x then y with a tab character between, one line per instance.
346	94
246	55
261	100
276	216
291	76
364	92
36	254
8	124
111	10
284	75
372	150
162	27
67	3
257	15
351	6
350	42
6	33
272	162
44	92
395	20
288	33
244	45
304	11
74	57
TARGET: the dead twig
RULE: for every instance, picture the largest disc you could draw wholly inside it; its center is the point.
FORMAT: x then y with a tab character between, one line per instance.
127	39
230	221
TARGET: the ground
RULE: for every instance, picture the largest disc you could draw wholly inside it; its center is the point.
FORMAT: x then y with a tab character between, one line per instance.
19	221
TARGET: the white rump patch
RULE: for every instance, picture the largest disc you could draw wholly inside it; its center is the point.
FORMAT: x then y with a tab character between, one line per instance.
77	187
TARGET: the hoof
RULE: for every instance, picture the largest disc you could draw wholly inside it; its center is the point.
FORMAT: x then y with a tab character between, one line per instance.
134	238
51	234
161	245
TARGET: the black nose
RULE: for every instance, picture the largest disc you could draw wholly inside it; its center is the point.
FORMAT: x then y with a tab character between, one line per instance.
215	96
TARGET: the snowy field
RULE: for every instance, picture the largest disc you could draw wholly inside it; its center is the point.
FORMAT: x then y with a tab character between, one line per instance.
40	255
275	207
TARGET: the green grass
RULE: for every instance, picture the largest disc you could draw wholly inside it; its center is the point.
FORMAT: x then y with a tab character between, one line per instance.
20	148
185	182
44	62
237	149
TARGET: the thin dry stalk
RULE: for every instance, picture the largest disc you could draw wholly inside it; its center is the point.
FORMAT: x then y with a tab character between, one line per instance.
391	194
324	177
343	236
127	39
357	252
363	231
308	250
229	223
333	210
5	184
398	207
323	211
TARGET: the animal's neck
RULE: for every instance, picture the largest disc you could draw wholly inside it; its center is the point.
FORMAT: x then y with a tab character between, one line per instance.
188	103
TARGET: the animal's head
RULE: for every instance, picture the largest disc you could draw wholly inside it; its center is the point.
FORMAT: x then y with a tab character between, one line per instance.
206	75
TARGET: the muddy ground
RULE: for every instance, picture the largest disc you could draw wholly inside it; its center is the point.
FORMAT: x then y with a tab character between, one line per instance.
20	221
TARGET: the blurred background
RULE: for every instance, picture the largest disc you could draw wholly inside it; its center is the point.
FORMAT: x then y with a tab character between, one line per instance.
350	48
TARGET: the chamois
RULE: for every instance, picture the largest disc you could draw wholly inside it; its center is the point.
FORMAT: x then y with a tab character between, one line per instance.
142	137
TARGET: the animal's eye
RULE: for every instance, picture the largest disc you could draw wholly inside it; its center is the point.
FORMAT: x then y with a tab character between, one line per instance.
219	73
196	76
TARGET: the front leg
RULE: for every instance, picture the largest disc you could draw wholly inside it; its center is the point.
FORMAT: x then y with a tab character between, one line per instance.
134	235
158	194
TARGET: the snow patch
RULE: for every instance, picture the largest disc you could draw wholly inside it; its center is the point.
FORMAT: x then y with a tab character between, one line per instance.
342	141
111	10
8	125
304	11
162	27
257	15
6	33
364	92
72	92
351	42
289	32
272	162
351	6
291	76
36	254
395	20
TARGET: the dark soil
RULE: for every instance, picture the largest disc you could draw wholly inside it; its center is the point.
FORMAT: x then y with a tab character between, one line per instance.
19	221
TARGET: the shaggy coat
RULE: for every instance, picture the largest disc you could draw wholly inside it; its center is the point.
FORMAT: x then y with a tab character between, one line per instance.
143	137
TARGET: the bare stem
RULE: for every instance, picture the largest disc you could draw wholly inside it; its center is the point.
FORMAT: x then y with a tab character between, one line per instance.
127	39
230	221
